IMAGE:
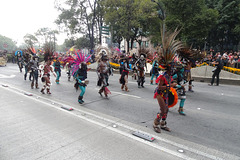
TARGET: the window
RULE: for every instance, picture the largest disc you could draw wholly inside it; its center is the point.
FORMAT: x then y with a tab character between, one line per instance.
130	45
134	44
147	44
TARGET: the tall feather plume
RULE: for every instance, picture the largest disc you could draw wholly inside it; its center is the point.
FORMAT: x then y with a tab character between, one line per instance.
48	52
169	46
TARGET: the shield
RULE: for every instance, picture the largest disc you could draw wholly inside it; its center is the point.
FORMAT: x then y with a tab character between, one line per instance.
18	51
172	98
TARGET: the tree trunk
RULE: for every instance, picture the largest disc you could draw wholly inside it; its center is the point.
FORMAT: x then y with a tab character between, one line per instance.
128	45
132	43
92	40
119	44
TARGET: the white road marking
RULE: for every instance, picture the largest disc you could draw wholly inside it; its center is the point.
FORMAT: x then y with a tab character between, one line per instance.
145	84
129	95
5	76
123	94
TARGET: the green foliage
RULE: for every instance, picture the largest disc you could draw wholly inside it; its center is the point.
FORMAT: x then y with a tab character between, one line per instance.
30	40
79	16
79	43
83	42
11	45
225	36
215	23
128	18
193	17
46	35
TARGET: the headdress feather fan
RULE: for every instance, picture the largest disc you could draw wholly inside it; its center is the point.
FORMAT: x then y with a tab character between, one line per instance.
144	51
48	52
169	46
78	59
102	51
190	54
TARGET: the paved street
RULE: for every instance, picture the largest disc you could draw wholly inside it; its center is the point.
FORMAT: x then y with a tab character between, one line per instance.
210	130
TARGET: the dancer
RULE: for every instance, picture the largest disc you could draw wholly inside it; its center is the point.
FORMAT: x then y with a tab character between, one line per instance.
19	60
133	62
180	78
161	94
188	75
34	71
46	69
57	69
140	64
68	62
189	56
81	75
124	76
163	90
79	72
27	58
154	70
69	68
103	72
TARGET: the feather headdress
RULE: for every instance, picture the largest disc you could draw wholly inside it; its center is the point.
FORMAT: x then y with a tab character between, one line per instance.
48	52
190	54
145	52
102	52
79	57
68	59
170	46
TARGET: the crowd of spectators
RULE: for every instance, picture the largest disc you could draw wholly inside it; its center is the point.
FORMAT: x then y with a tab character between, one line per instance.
229	59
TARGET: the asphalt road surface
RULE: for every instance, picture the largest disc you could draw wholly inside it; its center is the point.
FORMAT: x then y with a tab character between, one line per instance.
210	129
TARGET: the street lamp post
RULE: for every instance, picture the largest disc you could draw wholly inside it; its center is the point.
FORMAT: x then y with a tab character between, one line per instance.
161	13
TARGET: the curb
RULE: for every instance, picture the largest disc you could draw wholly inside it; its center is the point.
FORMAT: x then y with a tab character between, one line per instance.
221	81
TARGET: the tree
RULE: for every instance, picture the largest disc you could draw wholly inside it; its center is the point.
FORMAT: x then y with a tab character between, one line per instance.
211	3
30	40
127	18
80	17
193	17
7	43
47	35
81	42
99	18
226	34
